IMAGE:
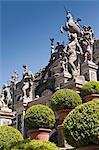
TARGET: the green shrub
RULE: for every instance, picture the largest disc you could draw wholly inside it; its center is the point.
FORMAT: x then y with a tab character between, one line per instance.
39	116
35	145
65	98
81	126
91	87
9	136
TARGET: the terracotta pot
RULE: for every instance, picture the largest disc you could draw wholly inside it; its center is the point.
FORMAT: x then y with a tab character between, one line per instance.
61	115
91	97
92	147
39	134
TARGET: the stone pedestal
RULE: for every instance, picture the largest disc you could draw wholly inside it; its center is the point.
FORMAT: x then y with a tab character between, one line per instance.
26	101
6	116
89	70
5	109
61	141
20	108
60	72
75	84
20	111
61	115
61	79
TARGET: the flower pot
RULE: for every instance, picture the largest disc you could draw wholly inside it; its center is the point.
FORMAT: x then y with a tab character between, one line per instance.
61	115
91	147
39	134
91	97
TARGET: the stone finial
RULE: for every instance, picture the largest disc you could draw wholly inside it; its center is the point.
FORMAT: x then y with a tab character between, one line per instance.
52	46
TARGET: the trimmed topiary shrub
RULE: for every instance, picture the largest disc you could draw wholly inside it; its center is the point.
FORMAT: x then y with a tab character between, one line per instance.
9	136
39	116
81	126
65	98
91	87
35	145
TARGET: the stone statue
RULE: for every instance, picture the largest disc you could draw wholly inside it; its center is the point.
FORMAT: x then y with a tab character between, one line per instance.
64	64
2	103
85	35
81	40
13	83
25	88
27	82
27	73
87	42
73	49
52	46
4	96
71	25
59	47
14	78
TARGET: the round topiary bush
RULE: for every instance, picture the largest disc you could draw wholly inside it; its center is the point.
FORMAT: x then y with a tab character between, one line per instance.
39	116
91	87
35	145
9	136
81	126
65	98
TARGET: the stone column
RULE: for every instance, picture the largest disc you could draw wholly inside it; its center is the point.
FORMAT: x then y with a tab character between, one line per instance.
61	141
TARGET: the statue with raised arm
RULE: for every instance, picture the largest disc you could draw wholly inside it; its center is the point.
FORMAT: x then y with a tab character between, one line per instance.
71	25
85	36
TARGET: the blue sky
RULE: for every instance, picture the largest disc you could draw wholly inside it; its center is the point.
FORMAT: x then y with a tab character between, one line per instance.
26	27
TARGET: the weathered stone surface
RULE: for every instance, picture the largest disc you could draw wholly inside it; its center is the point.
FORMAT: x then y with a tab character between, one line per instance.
89	70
